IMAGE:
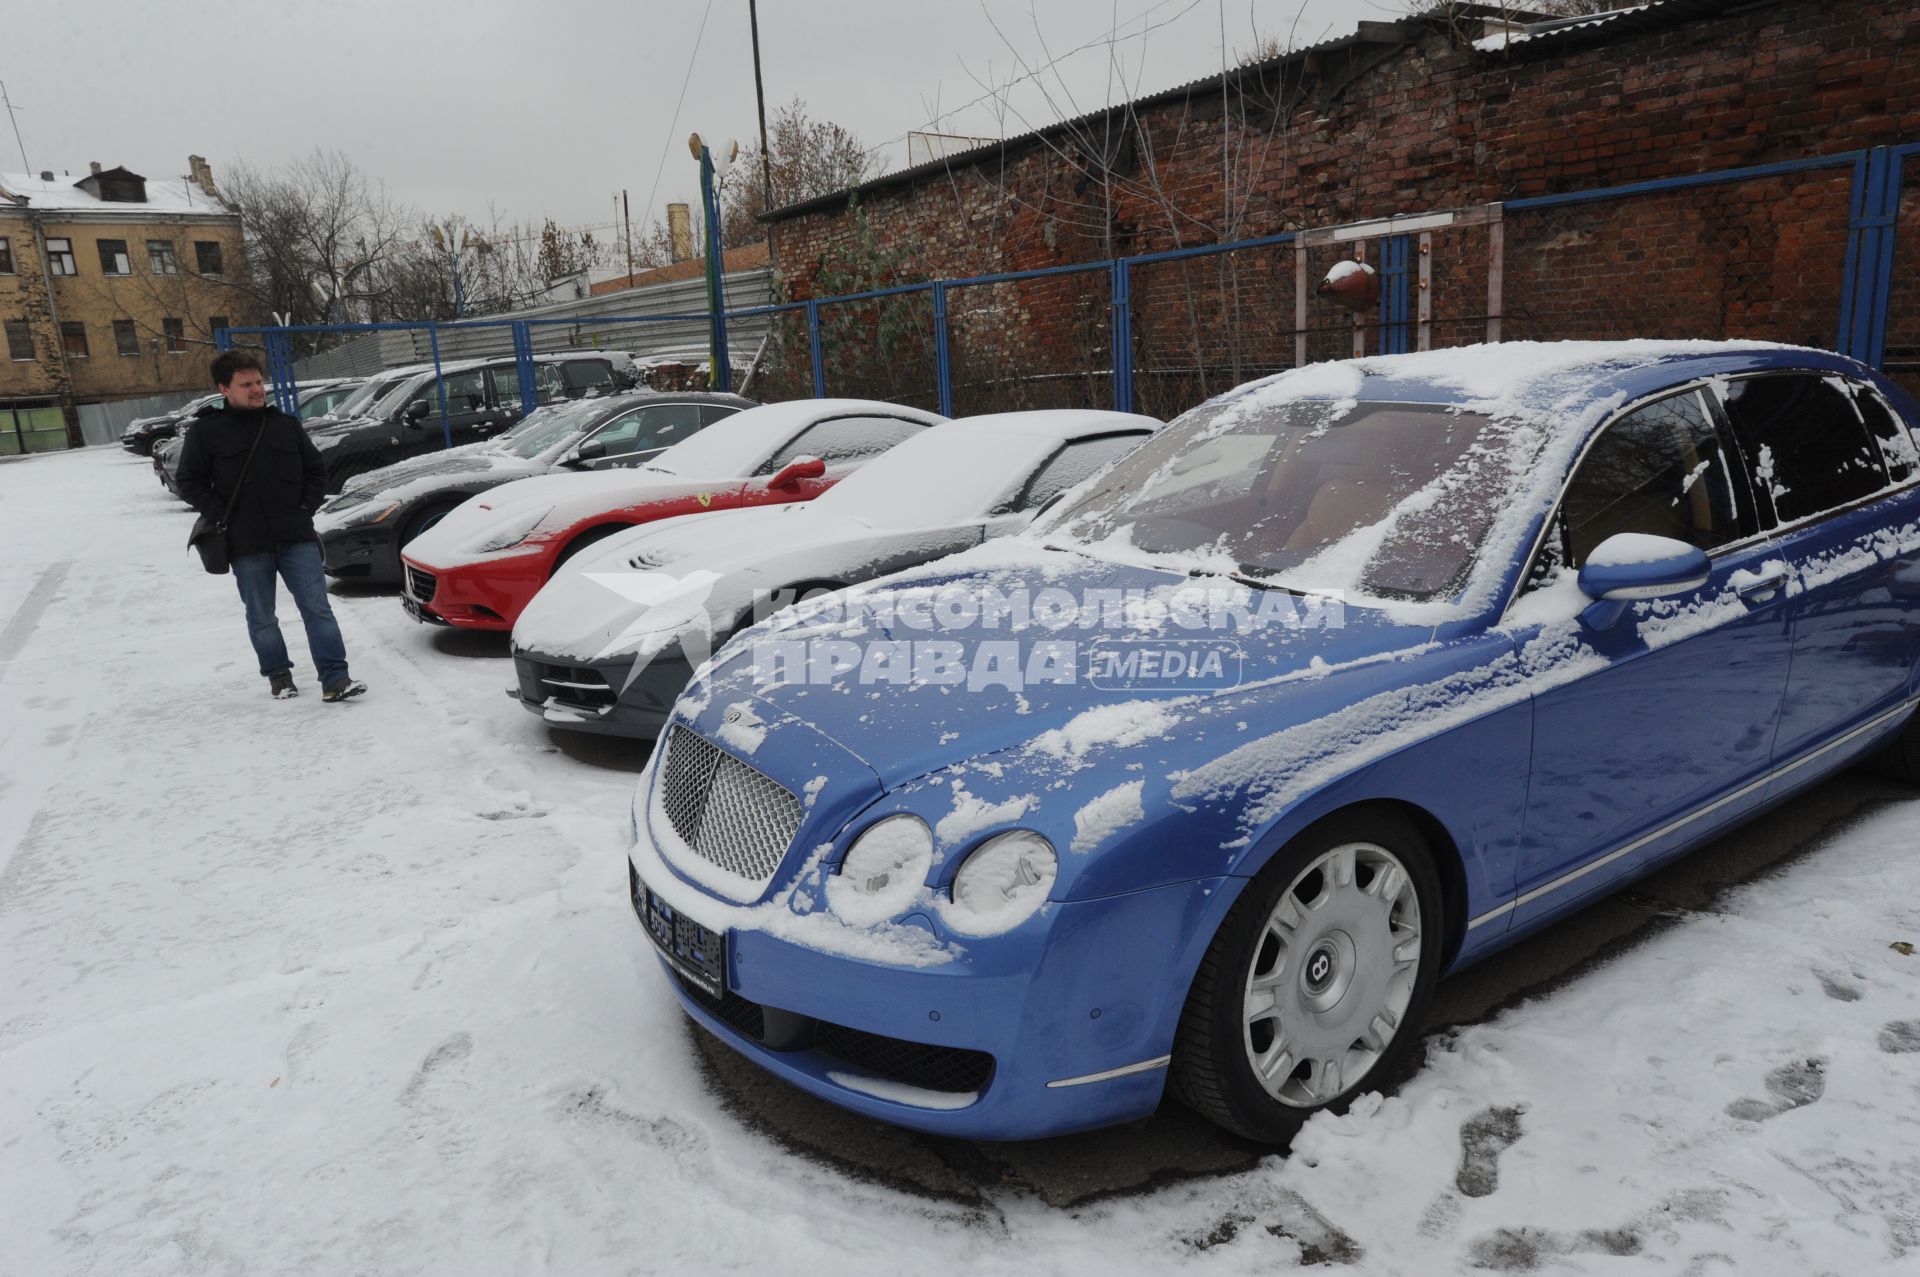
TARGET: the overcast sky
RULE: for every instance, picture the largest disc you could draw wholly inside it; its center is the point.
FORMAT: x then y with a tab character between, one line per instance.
551	108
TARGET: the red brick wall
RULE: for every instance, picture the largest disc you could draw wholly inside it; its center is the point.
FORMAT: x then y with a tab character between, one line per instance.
1437	125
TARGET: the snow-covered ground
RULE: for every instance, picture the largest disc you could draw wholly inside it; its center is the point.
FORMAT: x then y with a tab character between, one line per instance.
306	988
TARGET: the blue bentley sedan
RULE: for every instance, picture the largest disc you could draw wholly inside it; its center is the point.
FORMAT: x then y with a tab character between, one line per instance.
1343	681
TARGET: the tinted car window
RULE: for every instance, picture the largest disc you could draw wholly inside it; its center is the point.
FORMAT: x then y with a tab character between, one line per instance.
844	439
581	375
1807	445
1074	463
660	426
1658	470
466	392
712	412
1896	441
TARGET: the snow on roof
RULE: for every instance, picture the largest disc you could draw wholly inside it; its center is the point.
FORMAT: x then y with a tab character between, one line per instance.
62	194
1514	34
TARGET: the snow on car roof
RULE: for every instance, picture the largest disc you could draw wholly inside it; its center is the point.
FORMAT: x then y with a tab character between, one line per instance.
1056	423
735	445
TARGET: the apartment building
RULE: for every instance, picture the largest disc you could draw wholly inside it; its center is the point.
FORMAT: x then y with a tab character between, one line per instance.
111	287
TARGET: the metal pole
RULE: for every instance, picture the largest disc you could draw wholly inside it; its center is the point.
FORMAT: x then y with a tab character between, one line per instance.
1496	268
722	376
440	384
523	366
1426	290
1122	304
760	97
1359	317
942	368
626	215
819	359
1299	303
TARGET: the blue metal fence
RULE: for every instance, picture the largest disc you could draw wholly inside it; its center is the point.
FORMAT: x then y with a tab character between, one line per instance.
1863	275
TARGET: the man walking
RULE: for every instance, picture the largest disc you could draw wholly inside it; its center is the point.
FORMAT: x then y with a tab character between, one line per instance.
259	460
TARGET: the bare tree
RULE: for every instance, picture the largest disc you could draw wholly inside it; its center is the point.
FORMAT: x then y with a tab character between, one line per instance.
808	158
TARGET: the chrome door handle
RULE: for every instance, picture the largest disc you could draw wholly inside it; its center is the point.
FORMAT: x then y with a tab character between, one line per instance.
1763	589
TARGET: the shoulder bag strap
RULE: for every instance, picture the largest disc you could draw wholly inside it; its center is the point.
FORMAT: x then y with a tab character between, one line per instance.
242	477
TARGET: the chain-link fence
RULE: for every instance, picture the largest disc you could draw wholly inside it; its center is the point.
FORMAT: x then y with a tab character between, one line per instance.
1901	353
1761	258
1802	251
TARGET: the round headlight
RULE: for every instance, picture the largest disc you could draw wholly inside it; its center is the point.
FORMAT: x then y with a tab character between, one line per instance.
1002	883
883	871
512	532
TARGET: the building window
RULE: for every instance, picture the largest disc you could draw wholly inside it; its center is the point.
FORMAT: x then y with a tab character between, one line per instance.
60	257
19	340
6	256
160	256
215	324
73	335
113	257
126	338
176	331
206	256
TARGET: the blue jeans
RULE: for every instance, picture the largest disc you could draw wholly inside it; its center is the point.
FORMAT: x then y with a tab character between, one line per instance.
299	565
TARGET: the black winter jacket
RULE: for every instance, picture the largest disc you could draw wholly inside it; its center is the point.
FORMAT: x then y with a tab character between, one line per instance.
284	485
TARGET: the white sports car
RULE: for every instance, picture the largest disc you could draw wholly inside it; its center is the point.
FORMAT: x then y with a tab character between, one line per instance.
609	643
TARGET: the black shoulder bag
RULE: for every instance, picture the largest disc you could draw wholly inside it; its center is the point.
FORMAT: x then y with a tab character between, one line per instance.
210	537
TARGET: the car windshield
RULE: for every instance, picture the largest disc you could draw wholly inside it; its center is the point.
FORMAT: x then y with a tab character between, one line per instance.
359	399
548	427
1388	500
940	476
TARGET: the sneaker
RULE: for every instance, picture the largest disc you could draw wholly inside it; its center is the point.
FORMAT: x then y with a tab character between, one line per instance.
281	686
342	688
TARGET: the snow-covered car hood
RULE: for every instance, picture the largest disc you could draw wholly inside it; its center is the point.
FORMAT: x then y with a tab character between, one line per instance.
466	458
562	500
605	592
906	728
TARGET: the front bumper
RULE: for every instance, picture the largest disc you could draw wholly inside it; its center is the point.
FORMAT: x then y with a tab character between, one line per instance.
1064	1024
604	697
368	553
488	595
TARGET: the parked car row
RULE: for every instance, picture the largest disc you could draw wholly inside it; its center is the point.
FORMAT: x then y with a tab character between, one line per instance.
1013	773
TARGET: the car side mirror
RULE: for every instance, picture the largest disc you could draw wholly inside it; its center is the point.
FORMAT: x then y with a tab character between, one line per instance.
1631	566
414	413
591	450
797	469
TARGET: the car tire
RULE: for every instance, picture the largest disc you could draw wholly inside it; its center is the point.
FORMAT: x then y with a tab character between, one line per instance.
1341	936
585	539
422	519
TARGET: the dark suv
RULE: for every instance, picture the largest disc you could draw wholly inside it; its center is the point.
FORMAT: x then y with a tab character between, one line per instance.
483	399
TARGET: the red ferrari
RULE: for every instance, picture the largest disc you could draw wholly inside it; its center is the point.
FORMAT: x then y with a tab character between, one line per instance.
481	564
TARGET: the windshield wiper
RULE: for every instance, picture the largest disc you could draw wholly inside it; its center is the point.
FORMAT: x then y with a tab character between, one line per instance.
1246	575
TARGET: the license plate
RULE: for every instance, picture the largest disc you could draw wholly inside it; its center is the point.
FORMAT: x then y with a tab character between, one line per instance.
412	605
696	953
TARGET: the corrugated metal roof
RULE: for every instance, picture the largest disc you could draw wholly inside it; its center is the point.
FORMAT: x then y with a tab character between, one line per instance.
1557	33
1542	32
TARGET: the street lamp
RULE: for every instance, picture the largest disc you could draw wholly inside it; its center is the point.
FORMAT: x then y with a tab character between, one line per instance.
712	169
443	240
